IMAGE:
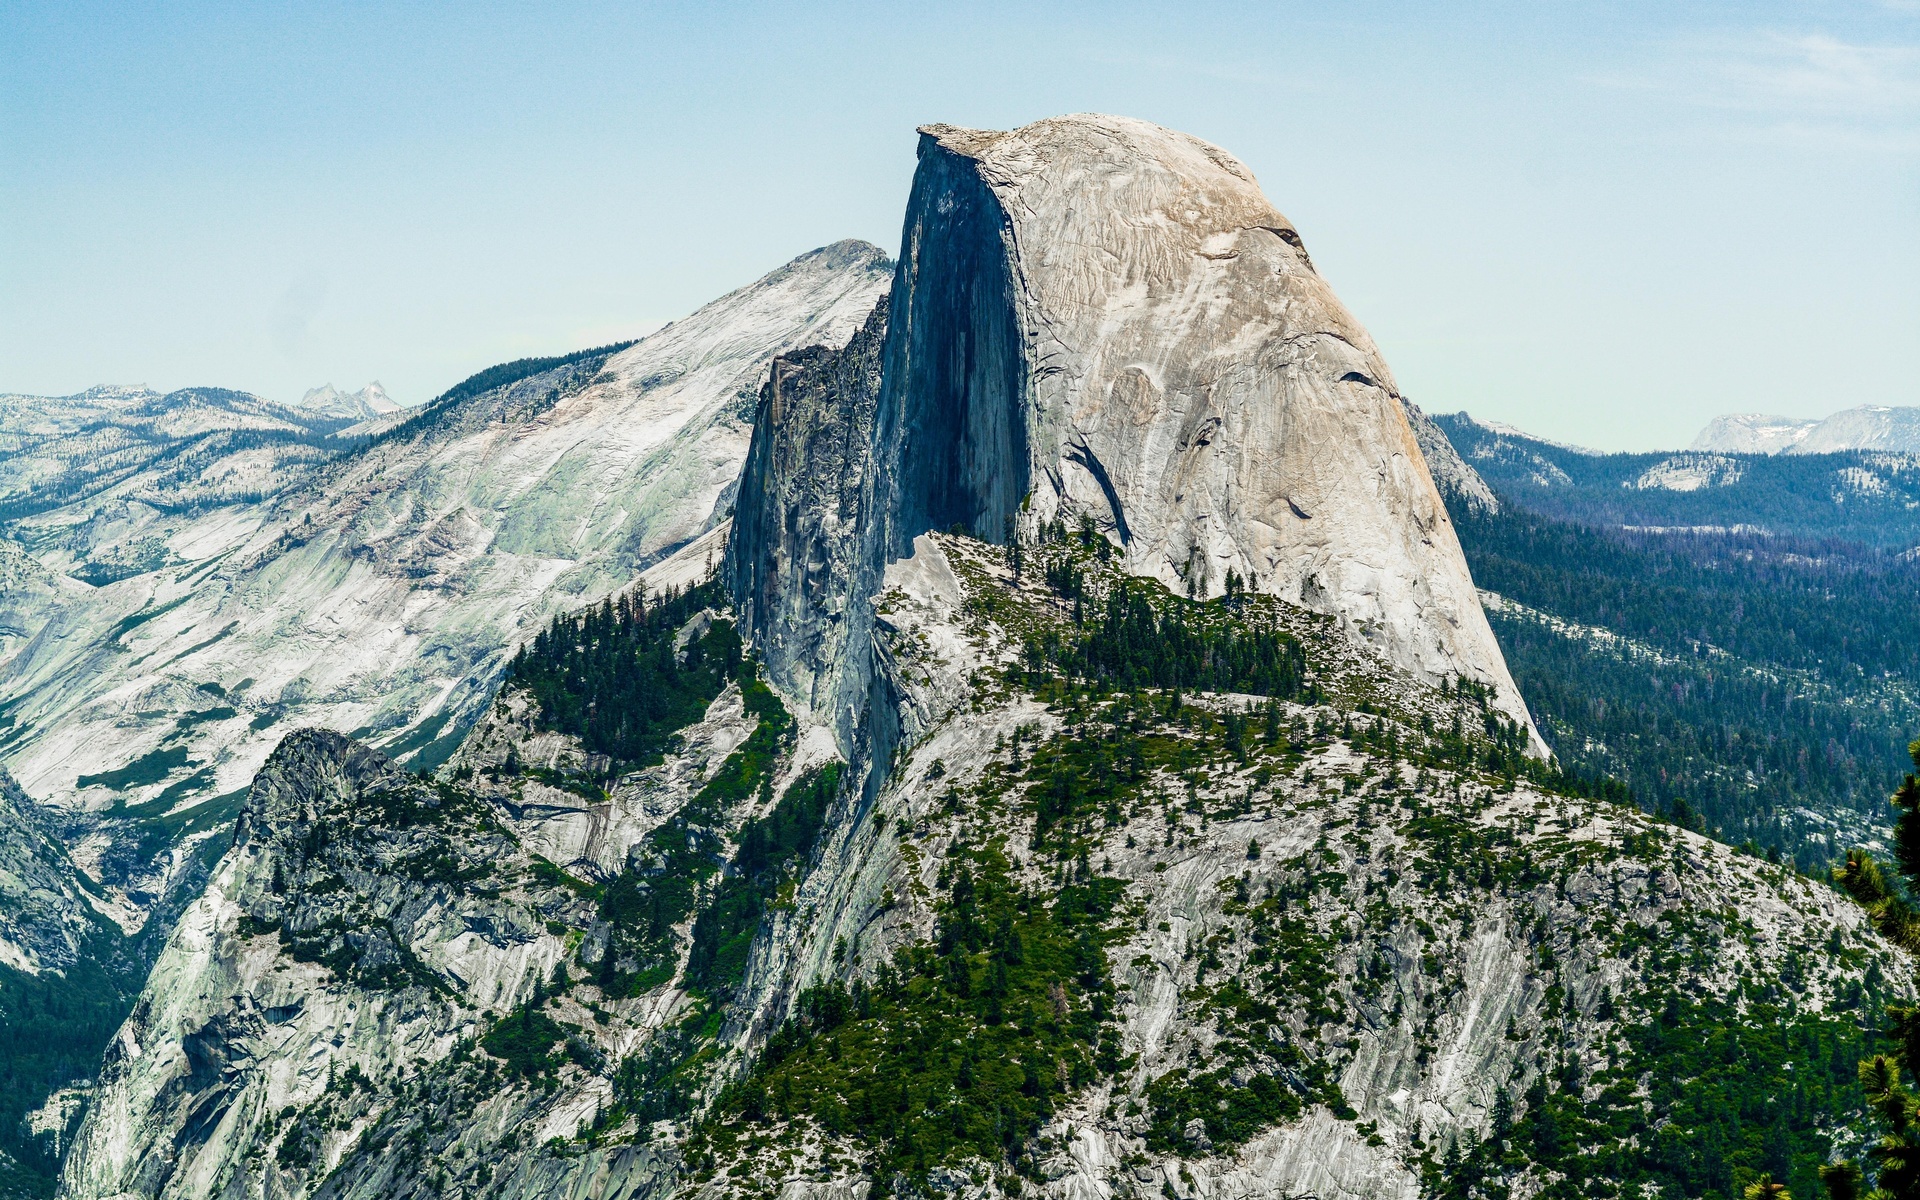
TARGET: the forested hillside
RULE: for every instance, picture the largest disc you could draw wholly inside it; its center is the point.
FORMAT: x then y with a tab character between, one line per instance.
1761	684
1862	499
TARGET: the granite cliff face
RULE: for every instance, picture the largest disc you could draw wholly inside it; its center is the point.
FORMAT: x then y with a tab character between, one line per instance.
1164	359
795	547
1097	315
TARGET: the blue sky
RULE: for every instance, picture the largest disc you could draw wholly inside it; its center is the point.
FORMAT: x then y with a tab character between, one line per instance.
1603	222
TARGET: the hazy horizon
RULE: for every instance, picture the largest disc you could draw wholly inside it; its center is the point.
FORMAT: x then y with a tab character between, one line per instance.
1604	226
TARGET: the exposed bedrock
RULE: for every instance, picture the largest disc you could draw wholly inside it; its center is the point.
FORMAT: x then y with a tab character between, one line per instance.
793	553
1456	480
1192	381
1095	316
952	433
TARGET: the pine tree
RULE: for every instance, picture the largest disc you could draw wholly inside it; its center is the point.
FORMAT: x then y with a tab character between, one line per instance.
1764	1188
1895	1158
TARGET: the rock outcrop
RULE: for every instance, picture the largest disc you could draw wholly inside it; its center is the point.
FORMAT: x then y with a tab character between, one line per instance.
1753	433
1456	480
369	402
364	925
50	912
1097	315
793	554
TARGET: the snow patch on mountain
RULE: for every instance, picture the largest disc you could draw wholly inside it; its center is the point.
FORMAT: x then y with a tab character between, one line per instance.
1689	473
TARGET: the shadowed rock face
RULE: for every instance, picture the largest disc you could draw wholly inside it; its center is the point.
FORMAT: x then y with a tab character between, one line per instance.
793	552
953	425
1096	316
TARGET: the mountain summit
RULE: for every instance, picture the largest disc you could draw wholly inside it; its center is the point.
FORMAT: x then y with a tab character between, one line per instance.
1056	752
1157	350
329	401
1867	427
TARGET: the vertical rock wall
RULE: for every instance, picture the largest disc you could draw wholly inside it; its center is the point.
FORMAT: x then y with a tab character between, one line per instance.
794	551
1185	376
1094	316
951	434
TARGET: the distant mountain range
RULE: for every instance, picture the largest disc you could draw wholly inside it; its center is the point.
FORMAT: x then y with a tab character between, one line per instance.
1731	630
1868	427
369	402
98	485
1869	498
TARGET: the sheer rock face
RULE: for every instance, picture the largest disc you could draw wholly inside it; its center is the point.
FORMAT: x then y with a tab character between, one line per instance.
793	554
1094	315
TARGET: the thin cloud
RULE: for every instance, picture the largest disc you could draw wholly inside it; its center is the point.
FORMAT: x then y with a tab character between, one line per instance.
1817	73
1801	87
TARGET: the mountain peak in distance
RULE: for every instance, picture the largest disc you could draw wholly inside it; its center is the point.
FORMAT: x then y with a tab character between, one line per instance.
1867	427
329	401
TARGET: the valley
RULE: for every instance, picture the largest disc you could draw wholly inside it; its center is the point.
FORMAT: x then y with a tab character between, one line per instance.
1744	647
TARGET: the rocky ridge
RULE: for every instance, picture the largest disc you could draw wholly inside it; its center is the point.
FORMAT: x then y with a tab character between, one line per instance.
795	550
50	912
1455	479
375	947
384	597
299	972
1863	497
